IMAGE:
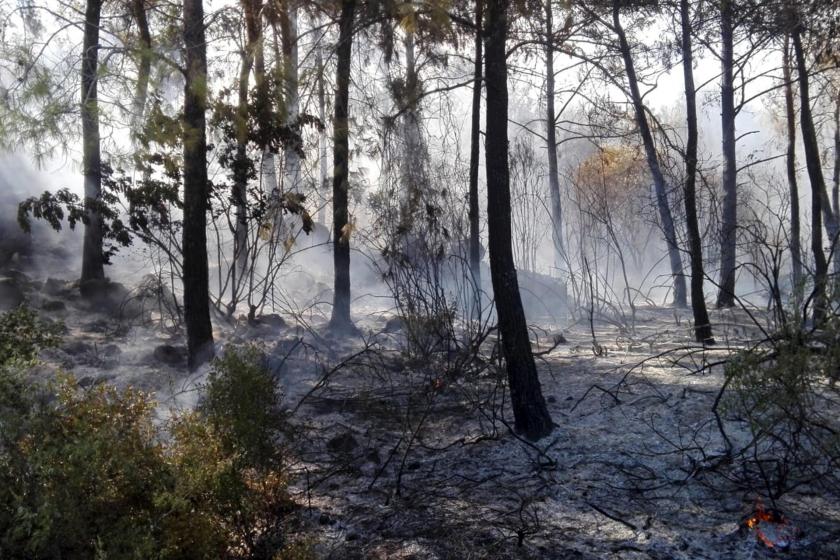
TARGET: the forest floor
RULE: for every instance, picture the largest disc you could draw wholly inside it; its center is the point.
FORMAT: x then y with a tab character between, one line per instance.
398	457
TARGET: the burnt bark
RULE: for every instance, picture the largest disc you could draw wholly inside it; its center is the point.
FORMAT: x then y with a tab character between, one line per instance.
323	171
144	64
812	160
835	191
475	139
413	165
239	190
551	140
289	37
793	187
93	262
240	172
340	318
194	242
702	325
531	417
660	185
729	218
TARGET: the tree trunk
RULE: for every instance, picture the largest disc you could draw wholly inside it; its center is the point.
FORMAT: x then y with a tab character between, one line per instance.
790	160
290	225
341	181
835	193
475	147
413	165
729	220
196	290
251	57
531	416
144	66
322	136
832	227
288	27
93	262
702	326
812	159
551	140
834	230
239	191
680	299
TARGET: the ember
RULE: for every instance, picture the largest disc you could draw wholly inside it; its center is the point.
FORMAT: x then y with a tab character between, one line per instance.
771	527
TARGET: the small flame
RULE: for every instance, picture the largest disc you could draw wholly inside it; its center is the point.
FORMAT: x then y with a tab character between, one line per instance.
771	528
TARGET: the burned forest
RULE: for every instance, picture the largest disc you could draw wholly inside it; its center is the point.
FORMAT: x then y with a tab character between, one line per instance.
419	279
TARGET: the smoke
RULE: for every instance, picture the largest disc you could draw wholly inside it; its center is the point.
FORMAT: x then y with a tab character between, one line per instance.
43	252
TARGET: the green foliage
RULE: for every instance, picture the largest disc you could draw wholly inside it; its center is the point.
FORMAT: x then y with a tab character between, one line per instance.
786	395
22	334
241	403
265	127
91	468
88	474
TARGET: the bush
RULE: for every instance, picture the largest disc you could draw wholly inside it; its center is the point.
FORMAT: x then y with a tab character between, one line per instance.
87	474
784	393
22	334
241	402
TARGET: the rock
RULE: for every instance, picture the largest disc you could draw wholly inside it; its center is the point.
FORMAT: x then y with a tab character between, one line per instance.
77	348
53	305
57	287
104	296
14	242
170	355
344	443
373	456
11	294
19	276
111	351
88	381
394	324
272	320
98	326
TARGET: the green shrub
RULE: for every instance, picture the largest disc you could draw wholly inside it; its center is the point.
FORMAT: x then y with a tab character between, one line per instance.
241	402
92	467
22	334
87	473
783	393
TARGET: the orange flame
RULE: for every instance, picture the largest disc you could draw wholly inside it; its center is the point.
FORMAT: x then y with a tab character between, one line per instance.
775	523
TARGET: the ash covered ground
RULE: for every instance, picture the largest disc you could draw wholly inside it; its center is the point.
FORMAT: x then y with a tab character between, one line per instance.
392	456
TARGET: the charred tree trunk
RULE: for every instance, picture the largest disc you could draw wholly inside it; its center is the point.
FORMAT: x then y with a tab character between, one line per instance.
667	219
790	161
475	147
144	66
341	181
239	192
413	176
835	192
322	136
240	172
551	140
93	262
729	220
289	30
529	410
196	289
812	159
702	326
